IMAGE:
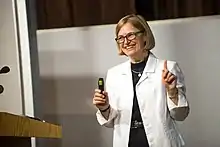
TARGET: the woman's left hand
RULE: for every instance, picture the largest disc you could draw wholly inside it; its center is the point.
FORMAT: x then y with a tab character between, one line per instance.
168	78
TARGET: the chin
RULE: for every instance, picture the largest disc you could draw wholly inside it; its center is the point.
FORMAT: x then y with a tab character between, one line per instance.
130	53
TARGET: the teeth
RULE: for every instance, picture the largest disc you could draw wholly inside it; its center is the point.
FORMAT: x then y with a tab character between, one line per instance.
129	47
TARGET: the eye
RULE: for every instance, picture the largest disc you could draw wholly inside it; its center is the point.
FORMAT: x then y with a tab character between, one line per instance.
119	37
130	35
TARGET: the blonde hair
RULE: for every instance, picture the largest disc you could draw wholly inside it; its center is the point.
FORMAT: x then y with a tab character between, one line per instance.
140	23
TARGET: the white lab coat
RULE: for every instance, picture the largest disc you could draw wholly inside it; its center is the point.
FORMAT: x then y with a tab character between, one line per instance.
158	112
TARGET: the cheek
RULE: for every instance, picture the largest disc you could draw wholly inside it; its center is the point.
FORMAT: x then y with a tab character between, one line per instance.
140	44
121	47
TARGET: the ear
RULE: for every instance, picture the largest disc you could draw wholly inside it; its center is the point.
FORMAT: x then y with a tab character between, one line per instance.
146	42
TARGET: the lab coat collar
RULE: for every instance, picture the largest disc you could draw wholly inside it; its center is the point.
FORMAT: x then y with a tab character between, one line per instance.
149	68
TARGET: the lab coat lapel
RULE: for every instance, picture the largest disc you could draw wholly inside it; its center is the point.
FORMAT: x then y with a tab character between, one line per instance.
149	68
127	79
127	75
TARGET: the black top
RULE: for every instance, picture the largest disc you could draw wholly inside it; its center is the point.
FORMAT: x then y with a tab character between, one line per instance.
137	136
138	67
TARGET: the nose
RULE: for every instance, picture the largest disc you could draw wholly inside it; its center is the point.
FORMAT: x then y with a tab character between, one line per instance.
126	41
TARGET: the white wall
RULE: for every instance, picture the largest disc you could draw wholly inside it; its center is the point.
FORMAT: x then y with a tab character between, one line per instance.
72	59
17	97
11	98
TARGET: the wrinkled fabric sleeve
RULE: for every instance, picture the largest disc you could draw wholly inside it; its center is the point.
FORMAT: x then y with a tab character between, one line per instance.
179	112
112	99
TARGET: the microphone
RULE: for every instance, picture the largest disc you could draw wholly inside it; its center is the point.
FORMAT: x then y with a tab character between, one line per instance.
101	84
4	70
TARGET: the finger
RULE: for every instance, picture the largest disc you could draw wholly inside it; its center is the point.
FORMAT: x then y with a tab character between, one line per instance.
105	93
98	90
171	79
99	99
169	74
99	95
98	103
165	72
165	65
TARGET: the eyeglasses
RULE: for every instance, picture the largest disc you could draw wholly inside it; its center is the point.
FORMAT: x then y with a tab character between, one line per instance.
130	36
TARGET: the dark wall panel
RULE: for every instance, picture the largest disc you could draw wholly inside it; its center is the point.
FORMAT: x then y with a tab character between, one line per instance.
74	13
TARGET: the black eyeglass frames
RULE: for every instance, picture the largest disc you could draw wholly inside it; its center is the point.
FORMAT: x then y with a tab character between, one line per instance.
130	36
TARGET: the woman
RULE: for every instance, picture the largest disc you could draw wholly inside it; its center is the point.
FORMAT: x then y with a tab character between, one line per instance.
145	95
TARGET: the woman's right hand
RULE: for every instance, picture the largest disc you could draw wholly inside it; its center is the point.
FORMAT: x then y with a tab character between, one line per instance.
100	100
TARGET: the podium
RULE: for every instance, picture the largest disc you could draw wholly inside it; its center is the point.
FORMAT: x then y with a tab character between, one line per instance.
16	131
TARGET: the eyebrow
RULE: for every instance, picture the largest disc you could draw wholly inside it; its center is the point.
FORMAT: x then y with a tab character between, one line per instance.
128	33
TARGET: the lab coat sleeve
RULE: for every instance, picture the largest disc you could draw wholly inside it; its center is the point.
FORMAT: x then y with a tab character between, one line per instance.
179	112
112	99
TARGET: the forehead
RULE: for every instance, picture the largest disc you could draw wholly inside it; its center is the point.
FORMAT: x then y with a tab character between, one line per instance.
127	28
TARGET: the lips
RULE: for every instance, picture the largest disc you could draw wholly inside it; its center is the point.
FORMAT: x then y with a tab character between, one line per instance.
130	47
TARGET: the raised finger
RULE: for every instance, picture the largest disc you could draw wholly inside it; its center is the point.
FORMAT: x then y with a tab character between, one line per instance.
165	72
165	65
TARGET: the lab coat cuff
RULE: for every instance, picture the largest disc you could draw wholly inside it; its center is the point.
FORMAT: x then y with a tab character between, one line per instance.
182	102
101	119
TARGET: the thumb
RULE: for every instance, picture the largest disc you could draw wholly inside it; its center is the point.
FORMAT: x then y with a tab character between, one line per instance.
105	93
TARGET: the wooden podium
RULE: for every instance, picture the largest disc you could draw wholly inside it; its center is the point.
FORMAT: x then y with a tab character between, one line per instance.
16	131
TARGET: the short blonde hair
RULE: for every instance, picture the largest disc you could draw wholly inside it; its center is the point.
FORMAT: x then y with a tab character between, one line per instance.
140	23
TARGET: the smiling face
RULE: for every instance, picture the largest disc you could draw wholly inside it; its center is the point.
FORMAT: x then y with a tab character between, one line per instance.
131	40
134	37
